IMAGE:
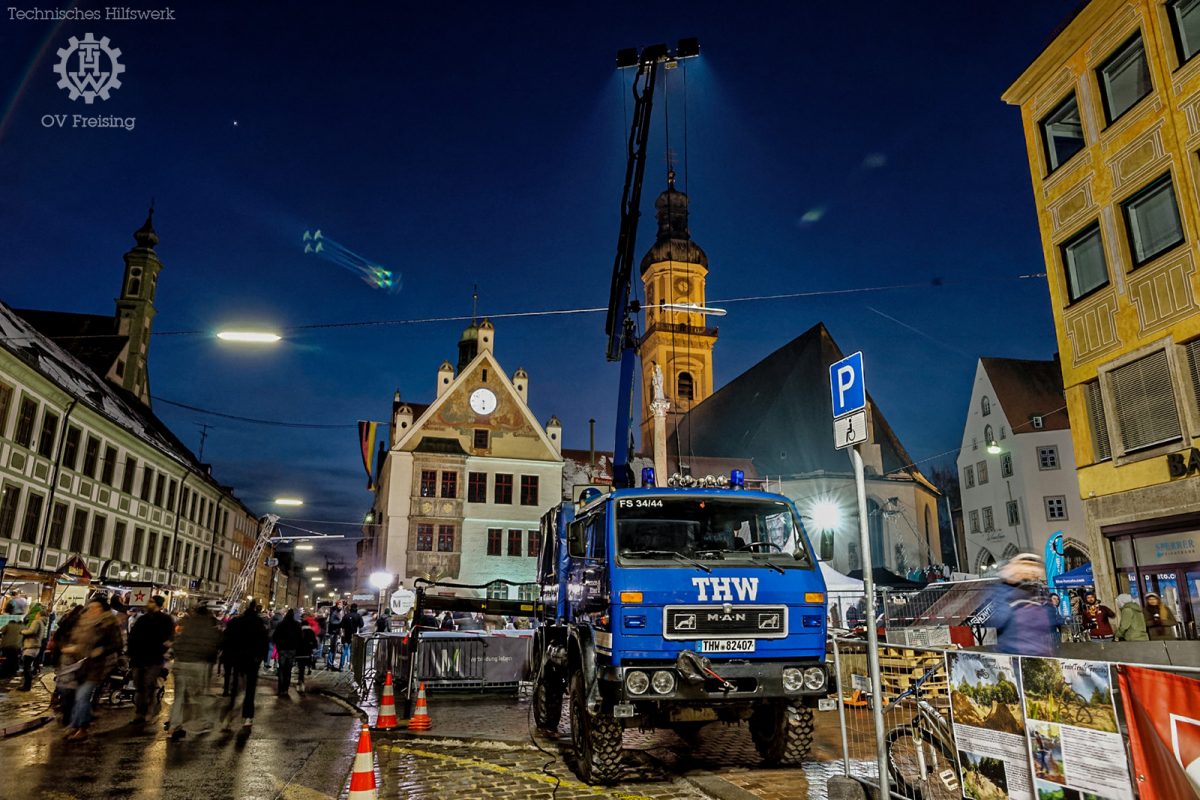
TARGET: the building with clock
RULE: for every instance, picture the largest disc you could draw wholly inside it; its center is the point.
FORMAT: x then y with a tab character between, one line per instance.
466	477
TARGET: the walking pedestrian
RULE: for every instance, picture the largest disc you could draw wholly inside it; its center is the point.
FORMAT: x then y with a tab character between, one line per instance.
10	648
66	674
287	641
1096	618
31	645
334	631
148	640
1160	622
1131	627
195	649
95	642
351	624
308	645
244	644
1021	614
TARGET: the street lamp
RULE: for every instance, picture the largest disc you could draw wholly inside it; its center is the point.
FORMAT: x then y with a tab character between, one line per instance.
381	581
289	501
312	567
250	337
993	447
826	515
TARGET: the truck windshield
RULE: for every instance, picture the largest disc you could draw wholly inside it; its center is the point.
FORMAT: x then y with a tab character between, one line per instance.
709	529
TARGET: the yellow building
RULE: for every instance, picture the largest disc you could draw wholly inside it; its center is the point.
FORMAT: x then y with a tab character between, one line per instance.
674	272
1111	112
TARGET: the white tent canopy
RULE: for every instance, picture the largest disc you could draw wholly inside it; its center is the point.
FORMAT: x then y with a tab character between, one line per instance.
843	592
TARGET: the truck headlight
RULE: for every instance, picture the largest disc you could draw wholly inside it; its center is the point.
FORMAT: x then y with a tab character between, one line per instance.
814	679
663	681
636	682
793	679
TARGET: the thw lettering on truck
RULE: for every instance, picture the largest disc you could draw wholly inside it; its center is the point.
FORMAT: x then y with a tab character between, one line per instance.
724	589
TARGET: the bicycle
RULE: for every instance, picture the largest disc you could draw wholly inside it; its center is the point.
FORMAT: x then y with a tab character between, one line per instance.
921	758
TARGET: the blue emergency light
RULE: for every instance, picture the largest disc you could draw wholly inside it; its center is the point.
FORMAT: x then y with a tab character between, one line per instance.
737	479
648	477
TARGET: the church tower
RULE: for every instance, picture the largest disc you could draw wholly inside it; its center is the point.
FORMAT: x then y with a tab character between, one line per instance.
135	310
678	342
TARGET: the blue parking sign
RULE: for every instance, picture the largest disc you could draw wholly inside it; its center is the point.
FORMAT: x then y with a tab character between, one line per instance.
847	385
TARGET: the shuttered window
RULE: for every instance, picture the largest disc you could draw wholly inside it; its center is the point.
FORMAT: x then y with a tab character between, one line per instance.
1193	358
1144	402
1097	421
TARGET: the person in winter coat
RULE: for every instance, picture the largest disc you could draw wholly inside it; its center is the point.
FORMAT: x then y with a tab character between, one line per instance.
352	623
95	643
1021	613
243	646
195	647
10	648
1160	622
148	640
31	644
1131	626
287	642
333	630
1096	618
308	645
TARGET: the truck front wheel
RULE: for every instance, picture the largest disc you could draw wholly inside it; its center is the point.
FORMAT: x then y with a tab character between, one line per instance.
547	701
597	739
782	733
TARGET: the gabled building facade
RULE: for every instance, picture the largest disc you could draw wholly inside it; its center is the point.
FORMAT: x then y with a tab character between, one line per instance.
1016	467
468	476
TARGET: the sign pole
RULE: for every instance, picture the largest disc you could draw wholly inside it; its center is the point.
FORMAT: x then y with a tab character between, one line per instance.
864	544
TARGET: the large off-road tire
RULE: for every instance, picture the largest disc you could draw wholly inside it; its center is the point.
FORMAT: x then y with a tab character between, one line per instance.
782	733
547	701
597	739
904	765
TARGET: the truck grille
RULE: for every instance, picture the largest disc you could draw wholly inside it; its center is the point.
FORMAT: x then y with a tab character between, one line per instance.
725	622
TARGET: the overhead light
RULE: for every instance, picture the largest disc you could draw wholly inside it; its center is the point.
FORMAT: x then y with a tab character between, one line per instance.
826	515
993	447
312	568
693	308
319	584
257	337
289	501
381	580
304	546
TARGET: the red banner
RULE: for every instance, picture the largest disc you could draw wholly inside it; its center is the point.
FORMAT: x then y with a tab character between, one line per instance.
1163	713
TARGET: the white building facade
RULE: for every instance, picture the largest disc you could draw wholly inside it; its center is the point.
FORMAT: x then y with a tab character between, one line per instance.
1016	466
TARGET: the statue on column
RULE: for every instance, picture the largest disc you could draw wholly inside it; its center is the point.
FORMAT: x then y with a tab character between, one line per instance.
656	380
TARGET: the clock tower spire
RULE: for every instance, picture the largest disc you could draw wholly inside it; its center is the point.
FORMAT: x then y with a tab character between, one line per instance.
674	272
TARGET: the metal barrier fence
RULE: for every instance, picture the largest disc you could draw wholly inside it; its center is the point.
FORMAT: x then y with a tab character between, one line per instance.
987	728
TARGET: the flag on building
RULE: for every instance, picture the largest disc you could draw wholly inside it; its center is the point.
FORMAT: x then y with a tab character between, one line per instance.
1163	714
366	442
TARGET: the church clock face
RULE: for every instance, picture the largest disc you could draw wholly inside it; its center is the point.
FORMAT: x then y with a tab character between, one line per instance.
682	285
483	401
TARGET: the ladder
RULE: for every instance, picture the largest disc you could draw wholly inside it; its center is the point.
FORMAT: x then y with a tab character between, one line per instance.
237	592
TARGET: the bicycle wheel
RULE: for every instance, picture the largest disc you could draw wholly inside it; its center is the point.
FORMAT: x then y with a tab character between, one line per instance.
905	765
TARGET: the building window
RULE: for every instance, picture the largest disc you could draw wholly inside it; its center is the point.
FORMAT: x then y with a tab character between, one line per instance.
425	537
58	525
974	443
445	538
148	483
1062	133
450	484
827	545
99	521
535	544
151	548
33	515
514	542
1014	513
127	477
78	530
974	519
1006	469
496	590
476	487
428	483
687	388
91	454
1097	421
46	436
108	465
1185	23
989	435
1047	457
70	458
493	544
24	432
969	477
10	496
1084	264
1124	78
989	522
139	539
1056	507
504	489
985	405
1152	221
527	592
981	471
1144	401
171	496
529	490
1003	432
164	553
481	439
6	393
159	485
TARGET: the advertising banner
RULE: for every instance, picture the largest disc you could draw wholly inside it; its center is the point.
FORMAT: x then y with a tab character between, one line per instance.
1163	715
486	659
1075	745
989	726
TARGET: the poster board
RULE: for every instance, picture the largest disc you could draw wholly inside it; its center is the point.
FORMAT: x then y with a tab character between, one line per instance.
988	721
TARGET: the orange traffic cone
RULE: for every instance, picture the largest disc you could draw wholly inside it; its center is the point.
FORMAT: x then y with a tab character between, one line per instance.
362	779
420	719
387	707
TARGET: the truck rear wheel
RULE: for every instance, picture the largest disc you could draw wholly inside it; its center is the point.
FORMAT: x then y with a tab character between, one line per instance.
547	701
783	734
597	739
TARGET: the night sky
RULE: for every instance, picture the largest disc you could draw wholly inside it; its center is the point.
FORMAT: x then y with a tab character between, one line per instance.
828	146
